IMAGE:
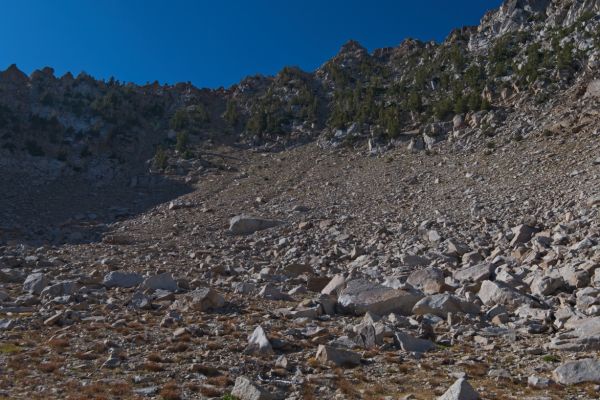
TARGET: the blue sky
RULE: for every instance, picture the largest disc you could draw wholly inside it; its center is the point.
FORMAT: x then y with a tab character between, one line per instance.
211	43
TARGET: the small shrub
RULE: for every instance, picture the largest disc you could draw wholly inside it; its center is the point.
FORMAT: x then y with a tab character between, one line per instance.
160	158
9	348
231	114
551	358
183	140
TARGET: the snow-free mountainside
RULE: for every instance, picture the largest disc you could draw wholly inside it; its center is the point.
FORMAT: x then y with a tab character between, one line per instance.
418	222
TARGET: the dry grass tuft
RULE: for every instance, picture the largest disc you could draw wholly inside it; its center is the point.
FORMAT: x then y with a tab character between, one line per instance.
58	343
213	345
205	370
345	386
308	391
170	391
154	357
210	391
152	366
87	356
313	362
193	387
49	367
120	389
476	369
220	381
178	348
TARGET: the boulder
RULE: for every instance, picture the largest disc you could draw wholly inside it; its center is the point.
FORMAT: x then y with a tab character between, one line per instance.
361	296
140	301
336	356
245	389
258	343
536	314
471	257
35	283
475	273
493	293
575	276
421	277
201	299
573	372
162	281
272	292
523	234
414	260
458	122
442	304
544	285
65	288
583	336
456	248
593	89
538	382
460	390
122	279
366	336
412	344
433	236
245	225
335	284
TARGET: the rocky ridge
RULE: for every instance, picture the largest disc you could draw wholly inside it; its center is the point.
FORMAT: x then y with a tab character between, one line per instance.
455	260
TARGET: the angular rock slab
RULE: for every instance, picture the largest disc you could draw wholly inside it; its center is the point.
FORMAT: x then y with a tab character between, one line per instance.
492	293
584	337
412	344
162	281
442	304
339	357
523	234
201	299
336	283
245	225
571	373
122	279
423	276
258	343
475	273
245	389
460	390
35	283
361	296
65	288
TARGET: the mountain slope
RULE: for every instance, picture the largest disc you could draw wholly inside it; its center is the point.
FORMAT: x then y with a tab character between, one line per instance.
526	51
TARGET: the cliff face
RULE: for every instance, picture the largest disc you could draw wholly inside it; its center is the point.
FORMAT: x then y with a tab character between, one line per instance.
527	51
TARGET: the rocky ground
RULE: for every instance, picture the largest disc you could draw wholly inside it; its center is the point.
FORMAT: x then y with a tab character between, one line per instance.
461	272
416	223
